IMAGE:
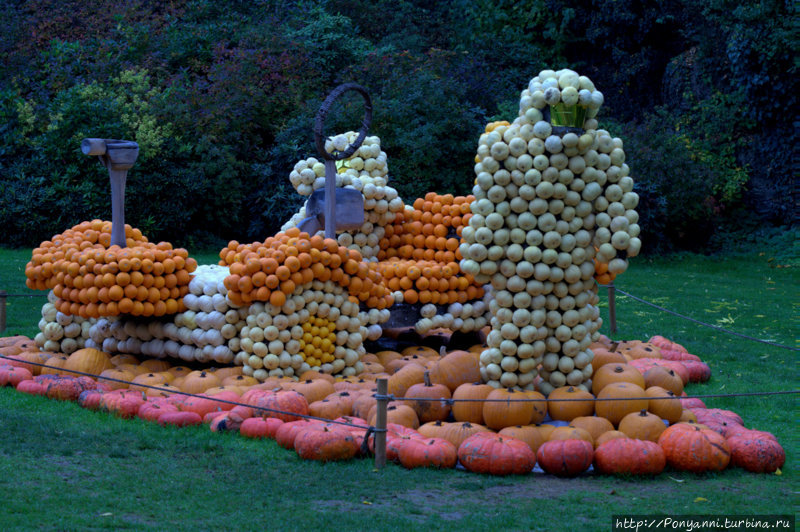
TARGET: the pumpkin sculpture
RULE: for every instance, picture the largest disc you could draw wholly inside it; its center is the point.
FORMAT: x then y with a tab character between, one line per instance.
542	215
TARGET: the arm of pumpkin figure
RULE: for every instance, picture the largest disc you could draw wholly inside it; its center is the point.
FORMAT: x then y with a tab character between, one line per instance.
616	220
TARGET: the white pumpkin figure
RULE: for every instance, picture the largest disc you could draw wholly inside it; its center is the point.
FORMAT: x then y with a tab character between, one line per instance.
552	193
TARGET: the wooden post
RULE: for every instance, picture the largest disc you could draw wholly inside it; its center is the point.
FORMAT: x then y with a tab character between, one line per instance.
612	307
3	297
380	424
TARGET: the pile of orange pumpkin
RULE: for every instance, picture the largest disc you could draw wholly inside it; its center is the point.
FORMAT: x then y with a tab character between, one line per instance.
91	278
428	281
601	273
419	253
270	271
430	424
428	231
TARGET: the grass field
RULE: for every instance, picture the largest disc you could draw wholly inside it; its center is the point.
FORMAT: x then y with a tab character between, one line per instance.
65	468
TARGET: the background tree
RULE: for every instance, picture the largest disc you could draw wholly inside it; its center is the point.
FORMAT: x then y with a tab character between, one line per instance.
221	98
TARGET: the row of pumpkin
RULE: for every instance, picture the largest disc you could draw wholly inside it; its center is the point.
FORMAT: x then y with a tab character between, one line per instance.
483	437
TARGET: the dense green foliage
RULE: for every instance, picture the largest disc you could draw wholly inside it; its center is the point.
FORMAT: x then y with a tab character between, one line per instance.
221	98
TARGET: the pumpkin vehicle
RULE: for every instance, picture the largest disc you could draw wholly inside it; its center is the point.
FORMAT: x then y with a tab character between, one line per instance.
283	326
309	300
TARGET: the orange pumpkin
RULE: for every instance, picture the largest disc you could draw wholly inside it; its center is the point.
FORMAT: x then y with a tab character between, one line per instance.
618	399
506	407
313	374
594	425
155	365
224	373
530	434
610	435
330	408
54	365
695	449
570	433
400	382
665	404
642	426
567	402
88	360
433	404
611	373
126	358
313	390
603	356
468	402
146	380
199	381
456	433
456	368
400	414
664	378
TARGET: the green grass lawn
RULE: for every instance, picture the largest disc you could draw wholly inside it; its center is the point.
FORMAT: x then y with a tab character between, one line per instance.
62	467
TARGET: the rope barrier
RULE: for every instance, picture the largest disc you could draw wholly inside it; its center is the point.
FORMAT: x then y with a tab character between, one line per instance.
188	394
392	397
717	327
597	399
381	398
